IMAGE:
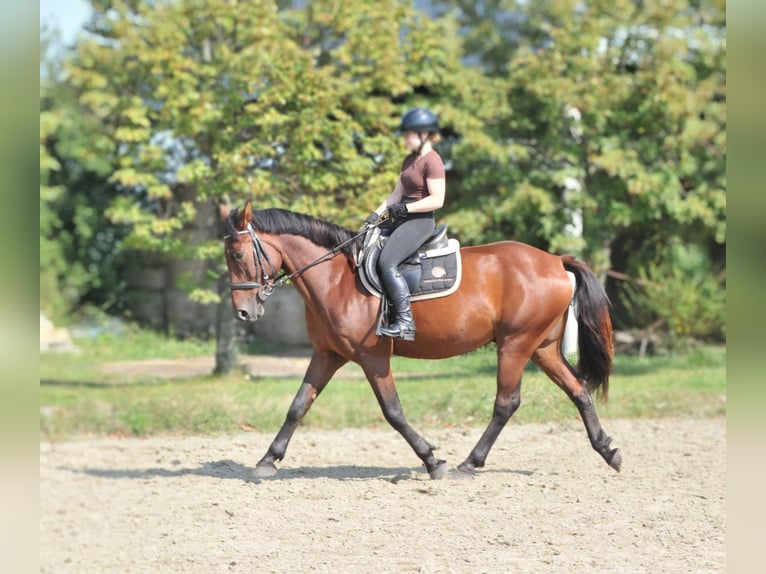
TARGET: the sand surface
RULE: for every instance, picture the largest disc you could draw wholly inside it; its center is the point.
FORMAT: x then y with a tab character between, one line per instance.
358	501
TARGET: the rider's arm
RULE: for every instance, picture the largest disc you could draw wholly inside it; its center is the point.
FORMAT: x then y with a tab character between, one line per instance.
431	202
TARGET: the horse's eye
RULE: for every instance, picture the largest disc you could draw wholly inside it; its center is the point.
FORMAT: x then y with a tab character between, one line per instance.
239	256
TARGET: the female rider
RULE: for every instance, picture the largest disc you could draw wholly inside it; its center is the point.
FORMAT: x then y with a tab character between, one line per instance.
419	191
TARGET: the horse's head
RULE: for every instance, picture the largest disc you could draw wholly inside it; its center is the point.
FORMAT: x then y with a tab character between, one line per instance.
252	263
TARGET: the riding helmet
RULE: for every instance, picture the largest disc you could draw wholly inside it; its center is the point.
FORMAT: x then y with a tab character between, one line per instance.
419	120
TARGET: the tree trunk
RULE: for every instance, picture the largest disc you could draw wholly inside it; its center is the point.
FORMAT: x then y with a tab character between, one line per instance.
225	323
225	331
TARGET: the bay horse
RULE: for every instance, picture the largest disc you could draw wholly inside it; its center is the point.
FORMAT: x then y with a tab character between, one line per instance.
513	294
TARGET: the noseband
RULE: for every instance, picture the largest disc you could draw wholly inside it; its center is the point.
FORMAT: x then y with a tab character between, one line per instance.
266	285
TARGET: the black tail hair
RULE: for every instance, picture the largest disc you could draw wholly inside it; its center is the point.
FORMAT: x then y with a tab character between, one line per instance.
595	340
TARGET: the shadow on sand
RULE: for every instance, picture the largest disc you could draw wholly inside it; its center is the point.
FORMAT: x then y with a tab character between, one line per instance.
230	470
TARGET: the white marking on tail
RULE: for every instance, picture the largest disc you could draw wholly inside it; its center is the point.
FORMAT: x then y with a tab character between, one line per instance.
569	341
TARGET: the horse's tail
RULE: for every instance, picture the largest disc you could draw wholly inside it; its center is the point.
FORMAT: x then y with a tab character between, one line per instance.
594	327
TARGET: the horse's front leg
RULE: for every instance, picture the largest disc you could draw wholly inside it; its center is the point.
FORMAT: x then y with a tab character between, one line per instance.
382	382
322	367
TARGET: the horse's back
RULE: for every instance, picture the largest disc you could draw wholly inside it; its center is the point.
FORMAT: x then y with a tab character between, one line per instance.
513	257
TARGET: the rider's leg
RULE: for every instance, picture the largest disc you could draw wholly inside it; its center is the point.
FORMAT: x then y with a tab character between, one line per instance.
403	241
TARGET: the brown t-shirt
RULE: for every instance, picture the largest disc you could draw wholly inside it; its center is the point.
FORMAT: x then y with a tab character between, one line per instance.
416	170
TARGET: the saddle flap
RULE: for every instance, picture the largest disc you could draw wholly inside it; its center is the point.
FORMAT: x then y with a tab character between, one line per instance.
438	259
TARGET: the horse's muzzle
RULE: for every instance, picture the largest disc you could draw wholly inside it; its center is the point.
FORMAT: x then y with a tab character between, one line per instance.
245	315
249	310
250	306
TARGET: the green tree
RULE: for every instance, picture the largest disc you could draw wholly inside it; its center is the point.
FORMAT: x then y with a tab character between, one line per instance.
681	295
613	111
618	119
81	260
625	98
220	100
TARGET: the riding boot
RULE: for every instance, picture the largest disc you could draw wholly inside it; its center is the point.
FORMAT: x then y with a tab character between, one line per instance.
403	325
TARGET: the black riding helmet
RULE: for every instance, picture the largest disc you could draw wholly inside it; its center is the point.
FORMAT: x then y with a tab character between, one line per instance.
419	120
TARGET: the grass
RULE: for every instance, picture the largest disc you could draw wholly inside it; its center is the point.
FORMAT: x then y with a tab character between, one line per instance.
76	399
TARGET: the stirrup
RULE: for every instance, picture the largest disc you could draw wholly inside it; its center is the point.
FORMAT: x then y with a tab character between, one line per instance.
403	333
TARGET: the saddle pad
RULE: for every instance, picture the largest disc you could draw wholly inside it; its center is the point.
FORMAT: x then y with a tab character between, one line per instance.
440	272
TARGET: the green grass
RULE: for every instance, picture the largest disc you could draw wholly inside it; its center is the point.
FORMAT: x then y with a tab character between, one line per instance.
76	399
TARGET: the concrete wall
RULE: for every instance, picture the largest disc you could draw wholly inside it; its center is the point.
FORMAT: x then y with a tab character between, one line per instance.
284	322
160	305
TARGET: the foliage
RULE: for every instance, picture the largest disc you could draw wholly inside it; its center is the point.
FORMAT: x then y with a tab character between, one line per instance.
621	100
596	128
81	261
683	294
235	101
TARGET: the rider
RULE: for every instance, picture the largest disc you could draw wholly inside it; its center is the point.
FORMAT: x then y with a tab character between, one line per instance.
419	191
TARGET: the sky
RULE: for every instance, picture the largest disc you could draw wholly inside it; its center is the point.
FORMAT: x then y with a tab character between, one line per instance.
68	16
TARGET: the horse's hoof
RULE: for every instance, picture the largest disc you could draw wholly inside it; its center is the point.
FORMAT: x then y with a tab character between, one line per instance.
462	473
265	471
439	471
615	460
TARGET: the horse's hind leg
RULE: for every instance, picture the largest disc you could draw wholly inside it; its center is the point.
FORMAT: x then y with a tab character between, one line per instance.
382	382
553	364
322	367
510	366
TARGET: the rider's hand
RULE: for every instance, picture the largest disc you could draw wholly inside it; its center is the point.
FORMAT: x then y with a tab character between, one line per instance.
398	210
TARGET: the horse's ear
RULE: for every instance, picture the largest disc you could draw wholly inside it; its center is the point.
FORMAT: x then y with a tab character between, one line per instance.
245	216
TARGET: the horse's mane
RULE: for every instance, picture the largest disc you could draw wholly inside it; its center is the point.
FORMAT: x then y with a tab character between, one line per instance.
280	221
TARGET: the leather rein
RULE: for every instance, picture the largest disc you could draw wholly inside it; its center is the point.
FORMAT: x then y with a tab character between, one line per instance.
268	283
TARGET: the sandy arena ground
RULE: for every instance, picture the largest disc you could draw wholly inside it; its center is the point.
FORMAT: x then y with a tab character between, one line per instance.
358	501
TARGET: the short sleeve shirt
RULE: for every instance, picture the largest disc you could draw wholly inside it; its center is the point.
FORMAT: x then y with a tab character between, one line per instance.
415	172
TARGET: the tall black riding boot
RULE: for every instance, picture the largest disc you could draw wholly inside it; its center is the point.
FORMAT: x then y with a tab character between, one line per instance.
403	325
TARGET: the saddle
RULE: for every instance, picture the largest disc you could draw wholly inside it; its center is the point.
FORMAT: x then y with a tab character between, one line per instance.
434	270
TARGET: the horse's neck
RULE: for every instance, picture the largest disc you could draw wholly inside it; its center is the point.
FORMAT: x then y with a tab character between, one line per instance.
316	283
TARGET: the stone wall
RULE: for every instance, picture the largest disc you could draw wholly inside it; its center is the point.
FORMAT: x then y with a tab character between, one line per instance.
157	303
284	322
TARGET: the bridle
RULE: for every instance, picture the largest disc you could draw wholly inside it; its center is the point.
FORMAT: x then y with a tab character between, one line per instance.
268	283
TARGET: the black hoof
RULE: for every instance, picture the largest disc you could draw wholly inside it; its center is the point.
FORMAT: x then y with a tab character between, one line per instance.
615	459
439	471
265	470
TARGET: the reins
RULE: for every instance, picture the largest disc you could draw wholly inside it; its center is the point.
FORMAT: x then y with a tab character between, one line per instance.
269	284
326	257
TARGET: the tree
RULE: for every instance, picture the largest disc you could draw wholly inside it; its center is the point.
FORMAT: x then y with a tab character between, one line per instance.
220	100
627	98
612	111
617	120
81	261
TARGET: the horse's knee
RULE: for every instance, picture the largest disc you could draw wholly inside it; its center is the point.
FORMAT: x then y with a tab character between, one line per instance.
300	406
504	409
394	414
582	399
